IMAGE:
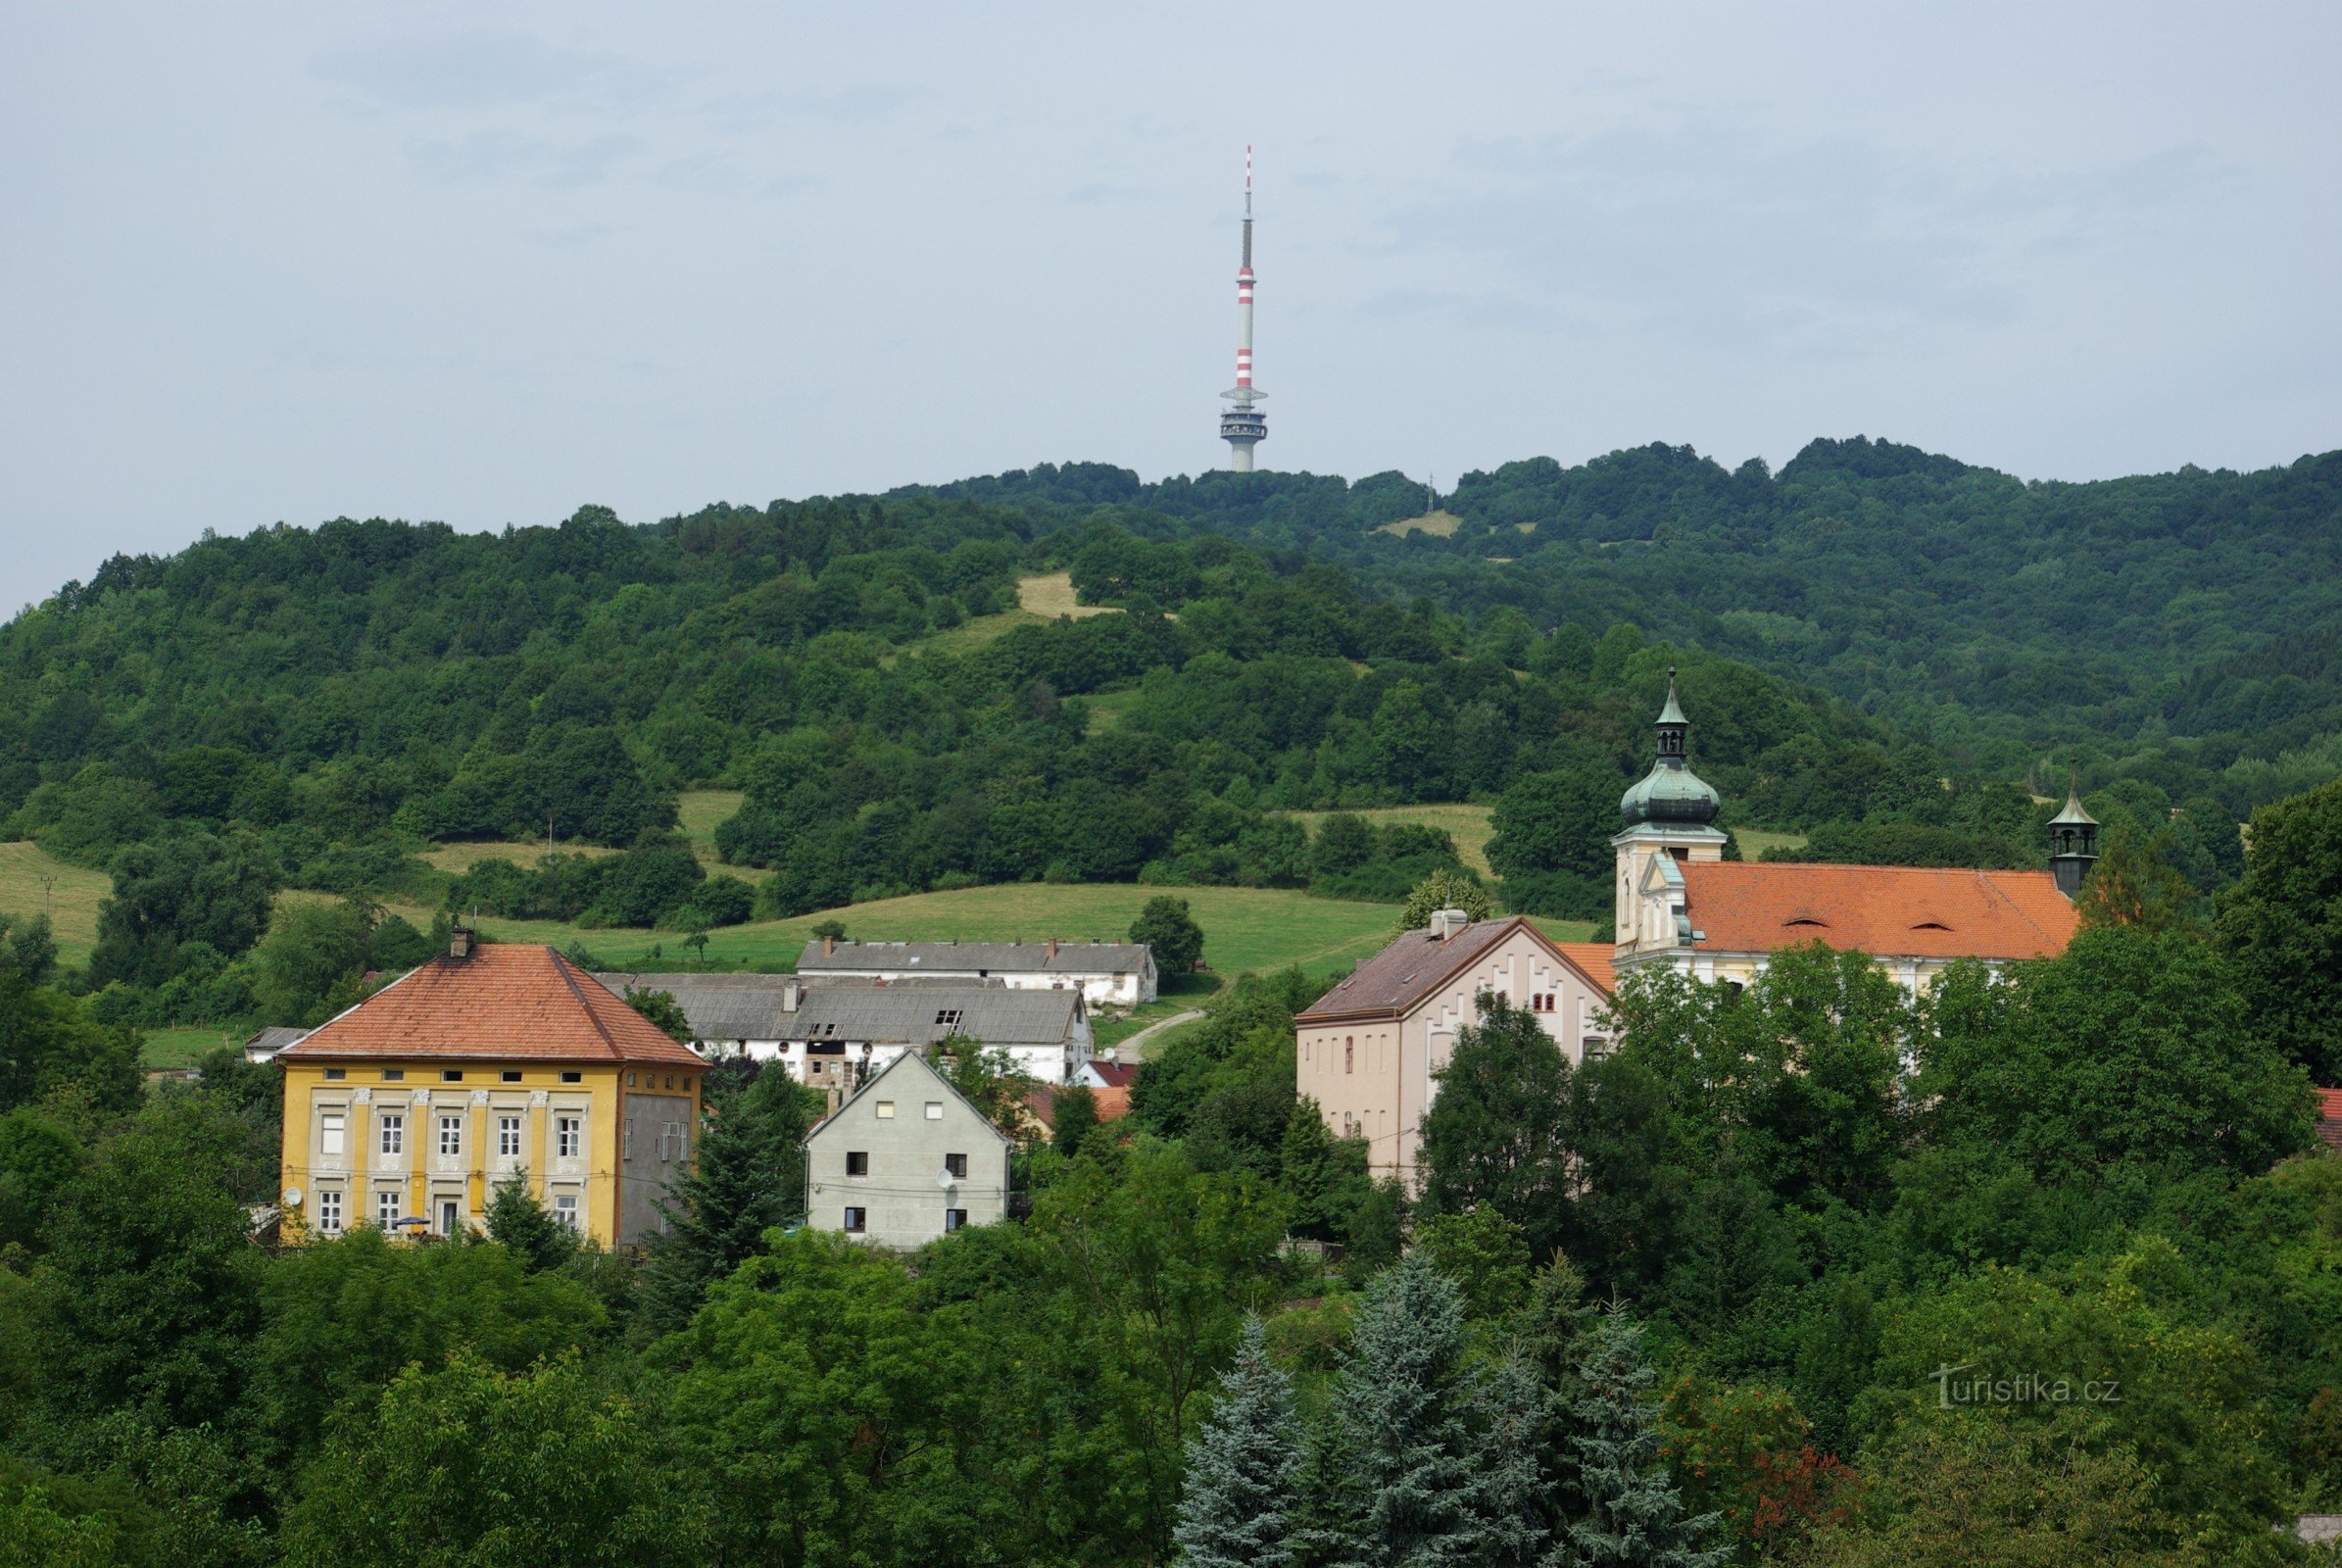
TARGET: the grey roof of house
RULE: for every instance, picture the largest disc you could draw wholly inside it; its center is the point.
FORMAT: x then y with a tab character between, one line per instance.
275	1037
913	1015
718	1006
924	1068
997	958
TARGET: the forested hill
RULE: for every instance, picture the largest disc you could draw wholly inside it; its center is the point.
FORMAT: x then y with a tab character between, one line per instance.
1965	602
1856	632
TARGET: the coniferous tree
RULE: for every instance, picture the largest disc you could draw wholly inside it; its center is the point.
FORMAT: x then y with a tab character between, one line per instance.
747	1177
1635	1516
1239	1508
1422	1432
518	1223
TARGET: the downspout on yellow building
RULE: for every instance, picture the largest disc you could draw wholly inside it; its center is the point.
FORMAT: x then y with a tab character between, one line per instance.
488	1062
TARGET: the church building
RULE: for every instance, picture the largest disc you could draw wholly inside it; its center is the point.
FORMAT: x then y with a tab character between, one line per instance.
1682	905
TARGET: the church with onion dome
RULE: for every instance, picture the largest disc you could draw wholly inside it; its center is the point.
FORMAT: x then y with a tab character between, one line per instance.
1682	905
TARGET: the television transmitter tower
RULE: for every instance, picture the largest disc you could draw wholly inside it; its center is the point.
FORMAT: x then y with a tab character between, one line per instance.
1242	426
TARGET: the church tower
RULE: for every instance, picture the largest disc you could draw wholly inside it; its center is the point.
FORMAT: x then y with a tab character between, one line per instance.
2073	842
1670	815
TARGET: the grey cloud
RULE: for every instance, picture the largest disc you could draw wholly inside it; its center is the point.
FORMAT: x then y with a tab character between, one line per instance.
1096	193
473	71
861	102
1711	227
504	155
721	174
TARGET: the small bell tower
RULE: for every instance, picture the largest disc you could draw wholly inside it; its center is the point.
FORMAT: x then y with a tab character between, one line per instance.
2072	841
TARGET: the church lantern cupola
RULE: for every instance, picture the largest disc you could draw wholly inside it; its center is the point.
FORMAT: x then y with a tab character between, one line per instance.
2073	842
1671	792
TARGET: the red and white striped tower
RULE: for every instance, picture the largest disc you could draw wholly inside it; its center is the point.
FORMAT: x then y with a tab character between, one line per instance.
1243	425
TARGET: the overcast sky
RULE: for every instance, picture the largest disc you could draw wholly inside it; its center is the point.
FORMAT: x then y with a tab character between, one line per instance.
483	264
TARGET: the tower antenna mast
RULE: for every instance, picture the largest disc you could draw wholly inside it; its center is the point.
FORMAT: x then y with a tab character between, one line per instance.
1243	424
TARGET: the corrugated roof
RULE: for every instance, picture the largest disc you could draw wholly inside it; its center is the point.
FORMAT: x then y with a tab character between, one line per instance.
1419	963
718	1006
505	1001
920	1015
274	1039
1886	910
1015	957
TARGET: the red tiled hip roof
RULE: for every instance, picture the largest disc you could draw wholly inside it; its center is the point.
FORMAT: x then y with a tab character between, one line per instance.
1885	911
502	1002
2330	1116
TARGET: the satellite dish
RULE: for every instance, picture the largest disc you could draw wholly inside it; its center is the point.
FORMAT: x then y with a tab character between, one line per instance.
945	1178
292	1197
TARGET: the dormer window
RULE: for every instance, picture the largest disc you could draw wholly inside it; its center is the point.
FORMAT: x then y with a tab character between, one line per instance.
1931	925
1809	920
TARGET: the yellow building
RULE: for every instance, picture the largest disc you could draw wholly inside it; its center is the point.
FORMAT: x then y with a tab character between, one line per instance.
407	1111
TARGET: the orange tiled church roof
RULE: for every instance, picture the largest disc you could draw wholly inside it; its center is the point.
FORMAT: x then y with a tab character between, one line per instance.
1594	961
501	1002
1885	911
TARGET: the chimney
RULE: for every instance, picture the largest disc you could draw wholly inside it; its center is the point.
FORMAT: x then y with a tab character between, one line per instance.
1053	957
459	942
793	995
1447	922
829	947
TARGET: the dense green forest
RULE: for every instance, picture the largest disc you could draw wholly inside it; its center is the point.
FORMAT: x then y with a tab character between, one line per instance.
1891	653
2026	1271
1703	1299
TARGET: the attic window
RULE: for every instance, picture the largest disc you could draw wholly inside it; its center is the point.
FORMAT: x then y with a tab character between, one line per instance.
1807	919
948	1017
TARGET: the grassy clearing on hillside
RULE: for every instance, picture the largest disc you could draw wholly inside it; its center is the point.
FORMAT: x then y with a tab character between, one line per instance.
457	859
1051	595
179	1048
1107	709
1243	928
703	809
1441	524
1755	841
971	634
72	897
1468	825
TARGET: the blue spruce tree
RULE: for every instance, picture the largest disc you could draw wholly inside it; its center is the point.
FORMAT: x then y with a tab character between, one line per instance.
1236	1511
1438	1470
1634	1516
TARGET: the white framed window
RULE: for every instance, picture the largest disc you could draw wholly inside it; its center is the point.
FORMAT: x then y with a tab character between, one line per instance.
333	1133
564	1208
946	1018
568	1136
885	1110
330	1210
450	1135
386	1208
394	1133
507	1137
627	1139
451	1217
935	1110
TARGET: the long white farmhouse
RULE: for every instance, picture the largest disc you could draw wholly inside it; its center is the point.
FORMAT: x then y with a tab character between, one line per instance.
1108	974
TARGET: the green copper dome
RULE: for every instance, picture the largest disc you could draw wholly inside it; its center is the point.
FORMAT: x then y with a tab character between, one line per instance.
1671	792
